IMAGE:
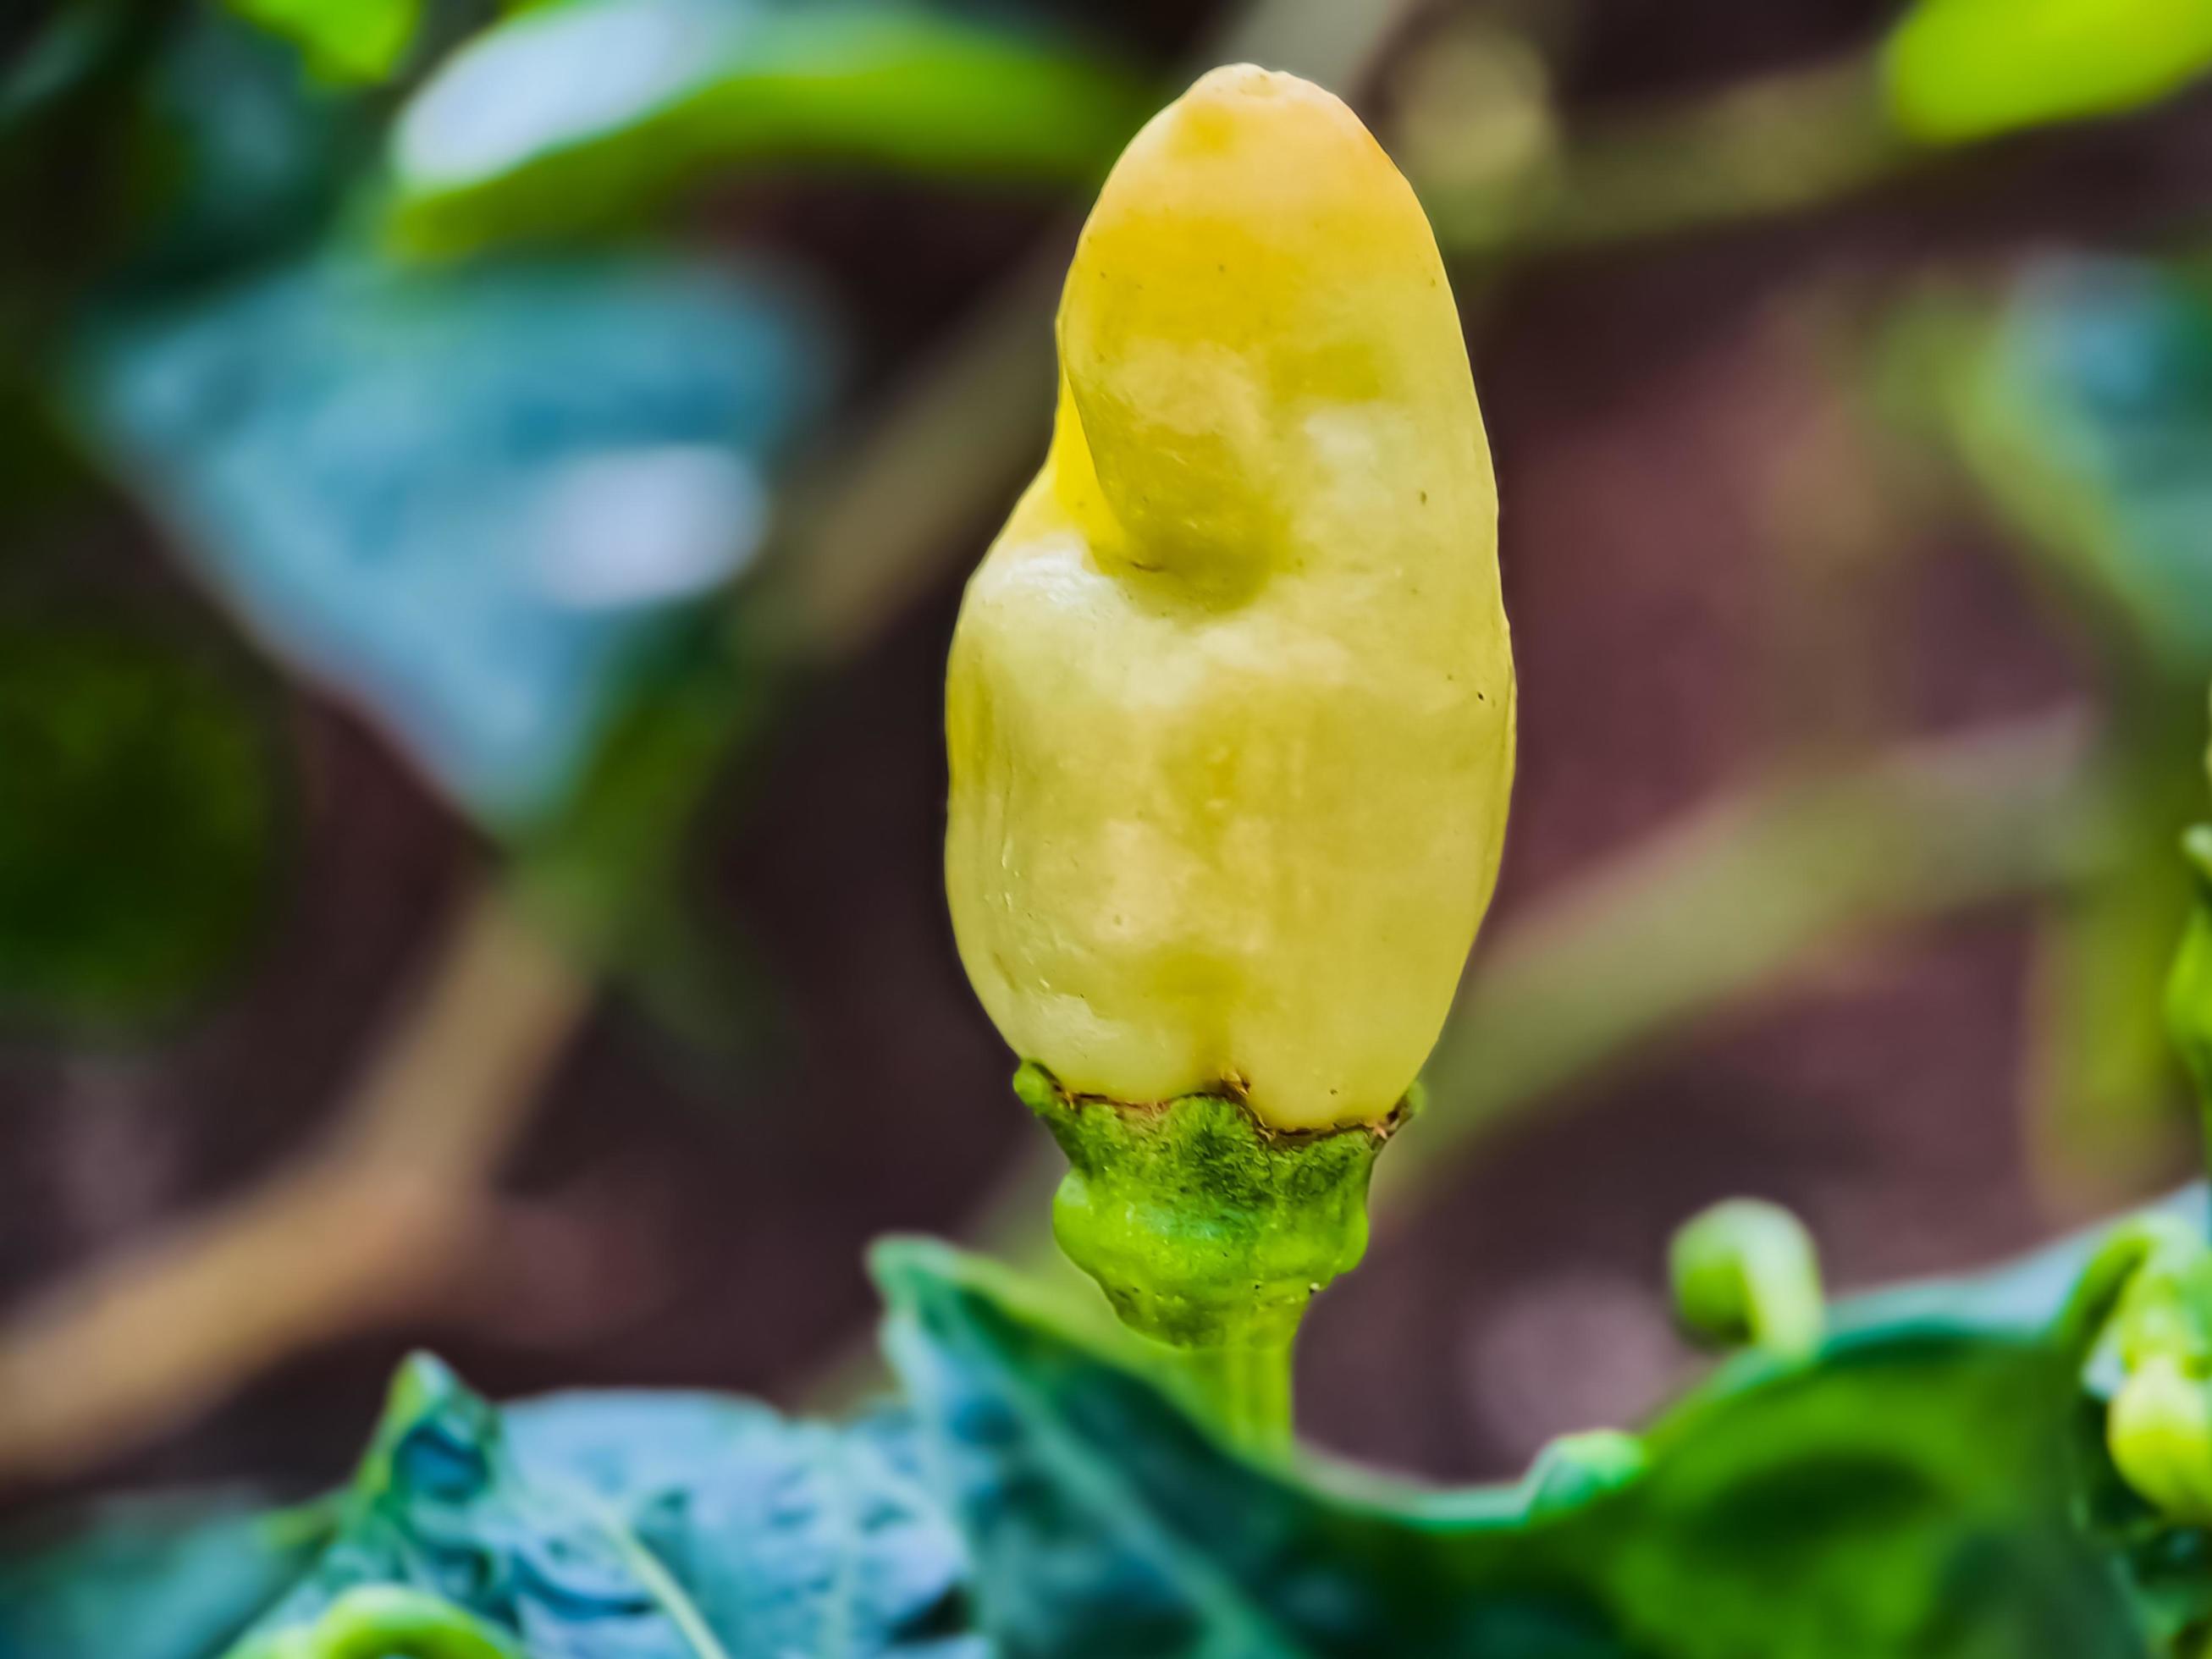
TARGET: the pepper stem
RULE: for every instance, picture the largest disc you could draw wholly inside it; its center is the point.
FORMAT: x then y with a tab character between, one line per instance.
1242	1387
1210	1234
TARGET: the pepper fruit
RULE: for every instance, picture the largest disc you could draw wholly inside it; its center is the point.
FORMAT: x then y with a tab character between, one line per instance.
1231	702
1230	712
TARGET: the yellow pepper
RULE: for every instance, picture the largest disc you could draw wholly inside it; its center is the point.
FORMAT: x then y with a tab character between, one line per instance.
1231	702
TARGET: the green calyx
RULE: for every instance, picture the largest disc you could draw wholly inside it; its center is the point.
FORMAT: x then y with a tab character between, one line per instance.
1208	1231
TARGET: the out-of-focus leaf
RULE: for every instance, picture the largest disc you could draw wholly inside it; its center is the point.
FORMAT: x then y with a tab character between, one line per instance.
1959	70
139	814
2084	408
562	115
1904	1492
165	1578
634	1526
72	47
473	501
2081	403
343	41
244	159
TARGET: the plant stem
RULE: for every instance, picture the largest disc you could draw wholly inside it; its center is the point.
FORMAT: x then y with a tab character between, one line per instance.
371	1224
1243	1388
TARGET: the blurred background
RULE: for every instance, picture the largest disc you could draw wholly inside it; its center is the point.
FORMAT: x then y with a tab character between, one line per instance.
483	498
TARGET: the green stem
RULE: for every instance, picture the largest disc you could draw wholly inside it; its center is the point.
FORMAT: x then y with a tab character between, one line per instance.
1243	1389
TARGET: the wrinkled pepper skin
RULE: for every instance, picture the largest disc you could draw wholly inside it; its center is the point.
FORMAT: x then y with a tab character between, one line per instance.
1230	702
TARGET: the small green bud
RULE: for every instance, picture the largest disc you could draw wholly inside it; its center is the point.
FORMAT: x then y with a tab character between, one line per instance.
2145	1301
1746	1271
2159	1428
385	1621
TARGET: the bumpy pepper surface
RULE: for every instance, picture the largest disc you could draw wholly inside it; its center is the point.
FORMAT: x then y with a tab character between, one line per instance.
1230	701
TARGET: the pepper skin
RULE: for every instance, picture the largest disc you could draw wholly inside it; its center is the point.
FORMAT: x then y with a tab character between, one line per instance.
1230	702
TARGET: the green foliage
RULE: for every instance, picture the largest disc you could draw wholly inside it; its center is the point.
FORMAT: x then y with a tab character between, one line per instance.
566	116
1905	1493
141	827
343	41
2083	404
240	159
633	1526
1931	1482
473	500
152	1579
1958	71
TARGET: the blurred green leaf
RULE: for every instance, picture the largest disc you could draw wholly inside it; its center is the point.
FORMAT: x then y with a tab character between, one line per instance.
1906	1492
474	500
615	1526
2080	400
140	831
568	115
1931	1484
71	48
1959	71
343	41
242	160
2082	403
152	1578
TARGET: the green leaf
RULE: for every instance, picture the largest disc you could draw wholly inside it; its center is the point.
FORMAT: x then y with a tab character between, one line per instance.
345	41
1904	1493
2082	402
1959	70
141	829
643	1526
566	116
246	160
152	1578
480	502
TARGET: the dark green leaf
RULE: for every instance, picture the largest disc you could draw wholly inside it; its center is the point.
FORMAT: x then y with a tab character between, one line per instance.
140	828
1905	1493
568	115
243	160
615	1526
169	1578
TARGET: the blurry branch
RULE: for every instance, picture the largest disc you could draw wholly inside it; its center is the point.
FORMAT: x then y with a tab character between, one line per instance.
1782	144
365	1231
370	1227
